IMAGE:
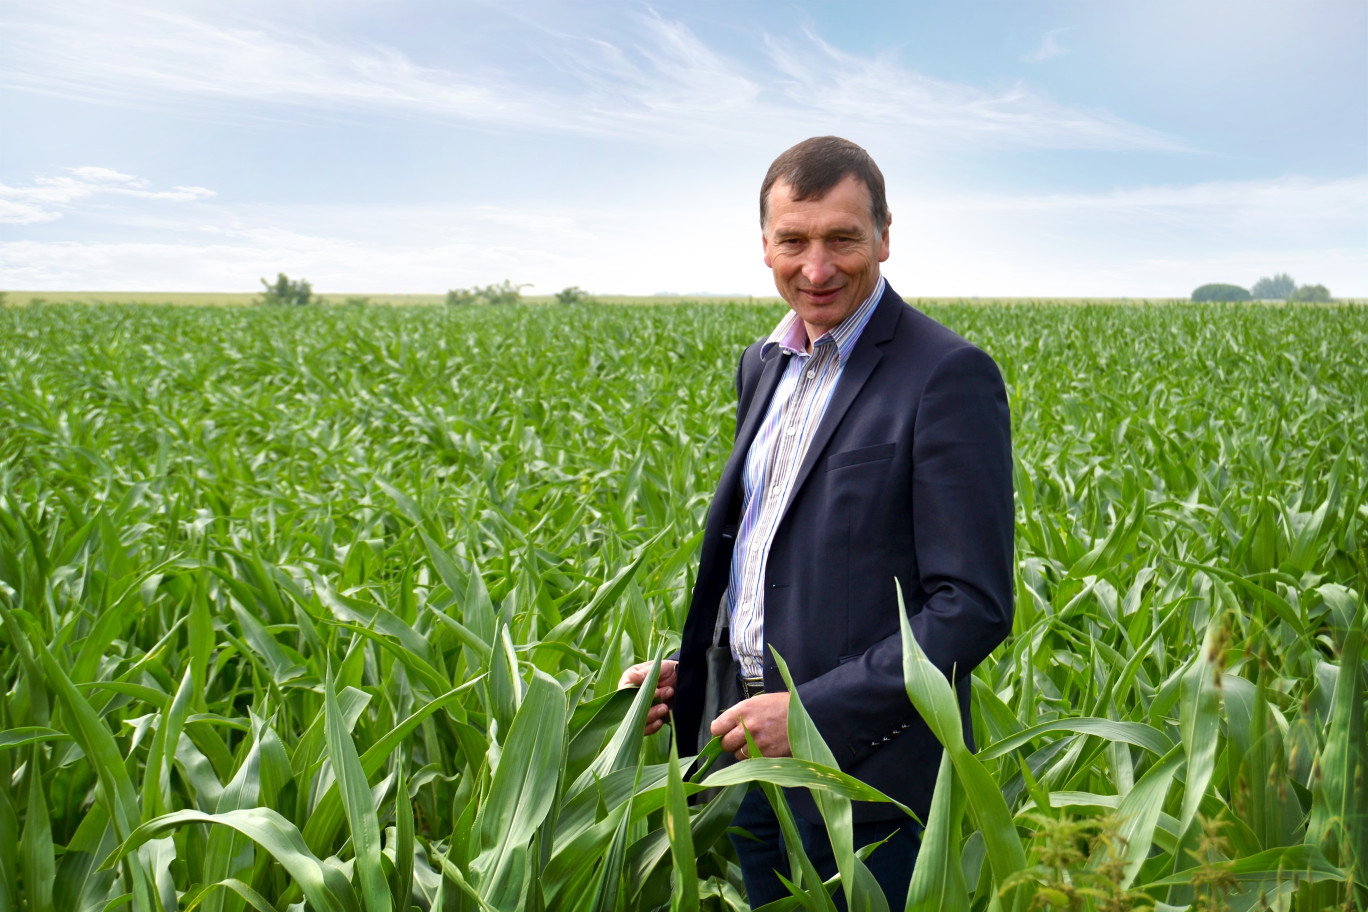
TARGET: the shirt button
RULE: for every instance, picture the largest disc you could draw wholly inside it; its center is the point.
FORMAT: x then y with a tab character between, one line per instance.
811	374
790	431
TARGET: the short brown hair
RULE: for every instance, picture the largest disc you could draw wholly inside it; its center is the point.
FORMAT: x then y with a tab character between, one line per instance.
815	165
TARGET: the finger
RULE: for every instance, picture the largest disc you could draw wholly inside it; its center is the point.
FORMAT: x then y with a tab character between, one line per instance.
653	727
734	740
664	693
725	722
635	675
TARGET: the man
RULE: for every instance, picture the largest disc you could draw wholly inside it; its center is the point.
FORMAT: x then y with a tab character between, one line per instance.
872	444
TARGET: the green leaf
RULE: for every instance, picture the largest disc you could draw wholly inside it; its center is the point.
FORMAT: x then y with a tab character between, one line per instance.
355	792
523	790
250	896
1140	809
623	749
684	896
328	812
931	694
806	743
937	880
40	867
1137	733
790	772
401	884
30	734
1299	863
1339	793
1199	722
323	885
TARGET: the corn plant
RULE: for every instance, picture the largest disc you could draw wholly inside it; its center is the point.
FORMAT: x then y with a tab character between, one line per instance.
326	611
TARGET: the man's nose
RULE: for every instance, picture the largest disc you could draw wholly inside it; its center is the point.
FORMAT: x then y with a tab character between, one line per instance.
818	267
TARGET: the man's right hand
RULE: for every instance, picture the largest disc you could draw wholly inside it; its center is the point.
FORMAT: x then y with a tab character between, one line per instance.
664	693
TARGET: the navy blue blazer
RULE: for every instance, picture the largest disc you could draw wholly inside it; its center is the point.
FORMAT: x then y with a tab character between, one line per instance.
909	476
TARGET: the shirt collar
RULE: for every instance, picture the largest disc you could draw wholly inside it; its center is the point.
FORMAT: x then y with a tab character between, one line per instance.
791	336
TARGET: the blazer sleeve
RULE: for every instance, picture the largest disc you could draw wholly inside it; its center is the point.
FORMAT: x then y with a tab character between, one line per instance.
962	519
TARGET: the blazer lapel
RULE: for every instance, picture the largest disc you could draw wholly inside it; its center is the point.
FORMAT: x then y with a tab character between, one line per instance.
772	370
860	365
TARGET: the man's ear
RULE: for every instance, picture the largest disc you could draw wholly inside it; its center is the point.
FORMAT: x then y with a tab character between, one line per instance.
883	240
764	245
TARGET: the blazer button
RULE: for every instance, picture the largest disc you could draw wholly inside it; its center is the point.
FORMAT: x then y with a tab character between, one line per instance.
873	743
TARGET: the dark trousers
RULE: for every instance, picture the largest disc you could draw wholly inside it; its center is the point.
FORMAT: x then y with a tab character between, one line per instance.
891	864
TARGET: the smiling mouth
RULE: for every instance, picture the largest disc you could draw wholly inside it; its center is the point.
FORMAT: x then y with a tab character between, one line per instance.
824	294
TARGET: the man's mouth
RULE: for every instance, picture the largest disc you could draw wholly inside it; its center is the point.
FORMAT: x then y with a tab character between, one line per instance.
821	296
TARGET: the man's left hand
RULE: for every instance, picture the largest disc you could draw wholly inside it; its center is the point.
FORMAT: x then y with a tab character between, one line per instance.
766	718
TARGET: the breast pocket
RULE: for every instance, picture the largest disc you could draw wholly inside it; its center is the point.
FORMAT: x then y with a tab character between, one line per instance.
878	453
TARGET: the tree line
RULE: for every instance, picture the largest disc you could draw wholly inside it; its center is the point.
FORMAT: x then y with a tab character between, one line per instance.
287	292
1280	287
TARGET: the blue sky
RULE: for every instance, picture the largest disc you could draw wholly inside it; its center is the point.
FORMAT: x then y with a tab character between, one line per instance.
1030	148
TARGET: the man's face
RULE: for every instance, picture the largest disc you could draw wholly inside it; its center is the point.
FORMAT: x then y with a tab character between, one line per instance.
825	253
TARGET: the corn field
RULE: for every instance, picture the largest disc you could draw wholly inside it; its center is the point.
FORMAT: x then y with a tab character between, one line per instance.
325	609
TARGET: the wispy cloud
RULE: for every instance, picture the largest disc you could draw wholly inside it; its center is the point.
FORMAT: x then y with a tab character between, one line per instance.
1049	48
47	198
881	90
654	80
111	51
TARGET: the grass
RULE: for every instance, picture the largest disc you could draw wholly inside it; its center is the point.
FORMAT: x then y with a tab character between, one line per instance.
327	606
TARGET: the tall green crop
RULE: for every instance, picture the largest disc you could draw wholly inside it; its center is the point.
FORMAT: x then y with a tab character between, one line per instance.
329	608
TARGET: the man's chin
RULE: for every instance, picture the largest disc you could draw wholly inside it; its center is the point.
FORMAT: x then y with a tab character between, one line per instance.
826	315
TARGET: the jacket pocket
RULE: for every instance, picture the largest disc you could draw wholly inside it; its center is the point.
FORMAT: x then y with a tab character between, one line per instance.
874	453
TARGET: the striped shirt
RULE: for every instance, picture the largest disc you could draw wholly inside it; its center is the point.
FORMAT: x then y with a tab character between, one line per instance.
800	400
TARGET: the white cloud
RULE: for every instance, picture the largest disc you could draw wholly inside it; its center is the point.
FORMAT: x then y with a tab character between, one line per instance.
1049	48
1145	242
427	249
1288	207
880	91
46	198
1149	241
657	81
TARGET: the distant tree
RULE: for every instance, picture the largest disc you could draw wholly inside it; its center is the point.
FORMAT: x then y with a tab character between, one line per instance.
1311	293
1219	292
503	293
573	295
1278	288
286	292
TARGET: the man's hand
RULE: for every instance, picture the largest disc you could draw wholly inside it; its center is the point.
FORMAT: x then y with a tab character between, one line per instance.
664	693
766	718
